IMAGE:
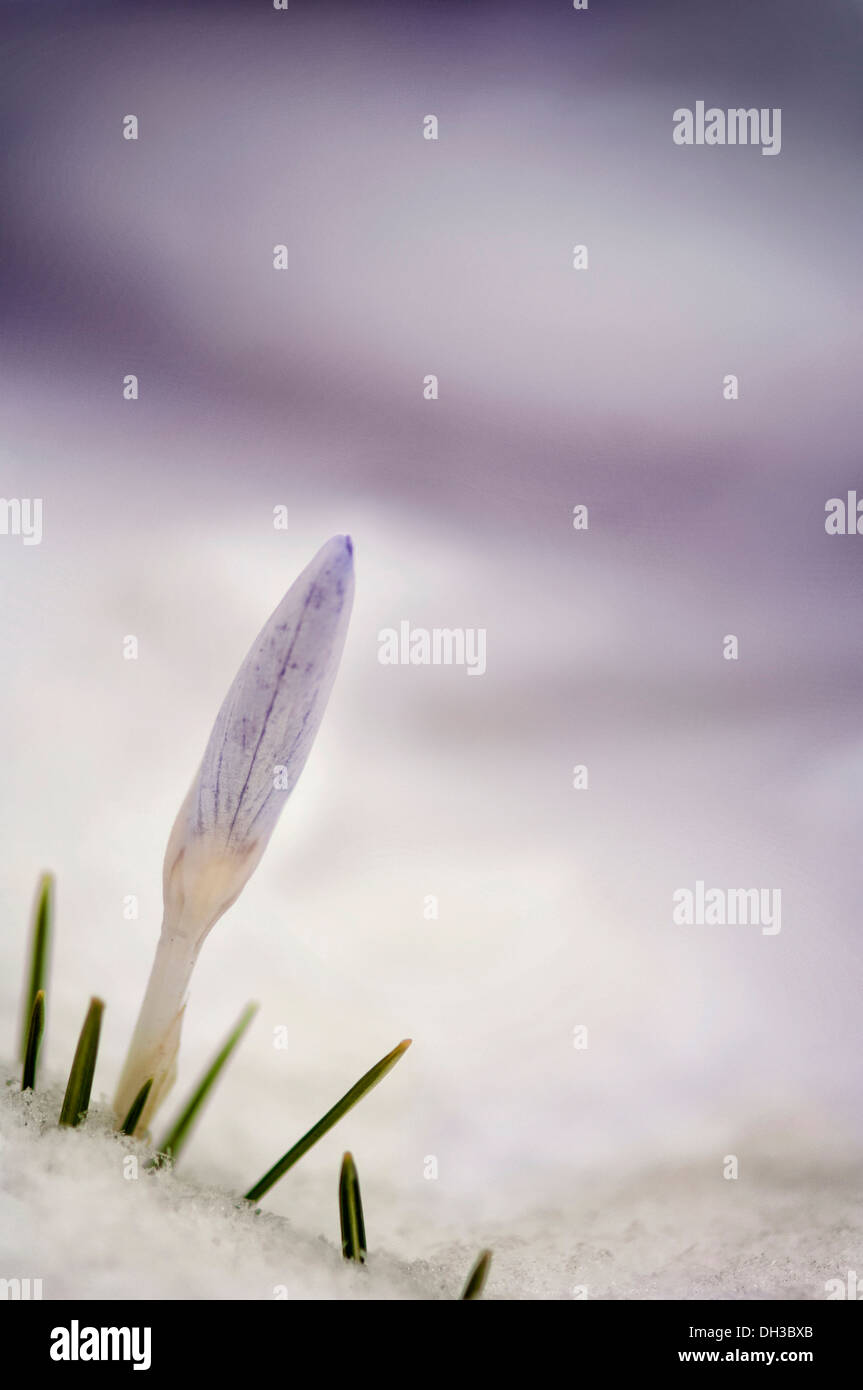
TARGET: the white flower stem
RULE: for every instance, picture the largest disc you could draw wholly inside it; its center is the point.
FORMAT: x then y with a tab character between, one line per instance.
154	1046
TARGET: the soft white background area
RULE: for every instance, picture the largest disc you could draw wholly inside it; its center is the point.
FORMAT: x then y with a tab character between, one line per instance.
555	906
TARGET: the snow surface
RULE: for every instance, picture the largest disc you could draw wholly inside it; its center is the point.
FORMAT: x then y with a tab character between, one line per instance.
71	1218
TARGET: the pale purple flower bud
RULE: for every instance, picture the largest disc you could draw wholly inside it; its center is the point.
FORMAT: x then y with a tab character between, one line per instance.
259	745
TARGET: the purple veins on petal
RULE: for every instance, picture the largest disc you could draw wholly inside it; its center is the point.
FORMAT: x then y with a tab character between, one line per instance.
274	707
268	721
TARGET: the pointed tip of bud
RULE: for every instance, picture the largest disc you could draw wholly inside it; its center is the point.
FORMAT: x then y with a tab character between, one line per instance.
257	749
339	547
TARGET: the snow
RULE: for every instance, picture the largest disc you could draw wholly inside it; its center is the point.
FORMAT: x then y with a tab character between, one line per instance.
71	1217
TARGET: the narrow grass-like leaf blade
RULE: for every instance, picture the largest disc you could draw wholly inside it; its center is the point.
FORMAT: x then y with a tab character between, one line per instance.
130	1123
351	1212
176	1137
477	1277
76	1101
34	1038
40	950
341	1107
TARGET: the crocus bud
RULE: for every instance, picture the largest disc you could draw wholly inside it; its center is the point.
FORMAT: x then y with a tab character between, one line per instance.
259	745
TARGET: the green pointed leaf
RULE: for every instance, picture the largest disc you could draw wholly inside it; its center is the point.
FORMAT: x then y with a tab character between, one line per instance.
341	1107
76	1101
477	1277
130	1124
351	1212
34	1038
40	950
176	1137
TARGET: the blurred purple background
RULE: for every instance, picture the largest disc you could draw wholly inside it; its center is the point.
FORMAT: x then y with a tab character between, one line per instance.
304	388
